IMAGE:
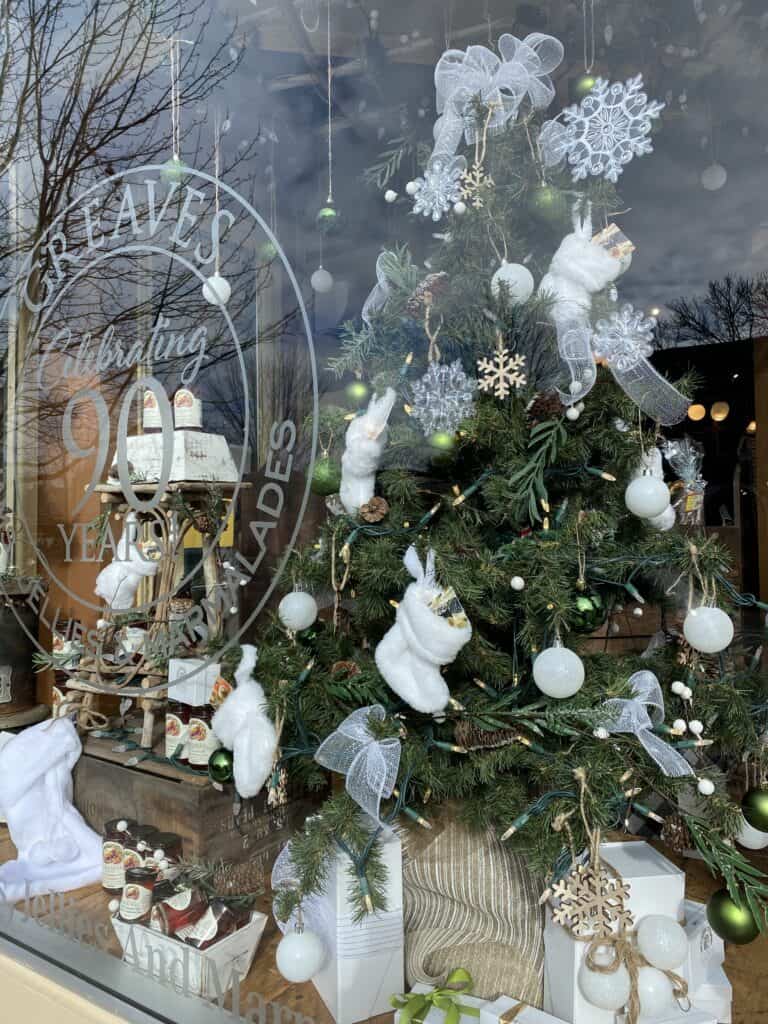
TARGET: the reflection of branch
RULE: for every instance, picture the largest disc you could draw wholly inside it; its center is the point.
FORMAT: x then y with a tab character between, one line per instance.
734	309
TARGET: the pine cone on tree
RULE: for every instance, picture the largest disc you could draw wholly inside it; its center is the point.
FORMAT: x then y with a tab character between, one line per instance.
375	510
676	835
425	293
205	524
544	406
469	736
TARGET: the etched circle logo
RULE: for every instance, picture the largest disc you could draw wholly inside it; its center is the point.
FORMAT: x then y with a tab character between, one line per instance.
162	426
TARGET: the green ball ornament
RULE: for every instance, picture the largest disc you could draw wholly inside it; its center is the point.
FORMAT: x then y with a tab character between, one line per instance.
173	170
267	251
731	922
443	441
326	477
327	219
549	204
589	612
221	766
755	808
357	392
583	86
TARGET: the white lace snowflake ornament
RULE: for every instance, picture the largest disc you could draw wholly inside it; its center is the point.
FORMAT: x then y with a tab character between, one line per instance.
600	135
440	188
443	397
502	372
624	339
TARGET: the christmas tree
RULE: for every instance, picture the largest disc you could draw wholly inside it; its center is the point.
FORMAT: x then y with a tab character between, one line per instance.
501	497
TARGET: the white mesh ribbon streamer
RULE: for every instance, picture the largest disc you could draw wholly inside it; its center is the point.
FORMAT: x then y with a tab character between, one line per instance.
370	765
639	715
379	294
315	914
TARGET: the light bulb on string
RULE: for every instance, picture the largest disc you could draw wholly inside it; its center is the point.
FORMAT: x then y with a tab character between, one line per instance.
216	289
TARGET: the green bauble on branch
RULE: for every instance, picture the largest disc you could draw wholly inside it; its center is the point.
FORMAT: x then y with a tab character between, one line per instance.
730	921
755	808
549	204
221	766
326	477
583	86
589	611
357	392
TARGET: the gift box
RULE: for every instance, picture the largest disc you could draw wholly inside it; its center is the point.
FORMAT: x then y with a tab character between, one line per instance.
677	1016
364	962
714	995
706	950
437	1016
656	886
505	1010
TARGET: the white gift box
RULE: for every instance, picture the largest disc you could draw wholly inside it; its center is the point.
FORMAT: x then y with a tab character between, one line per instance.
706	950
656	886
207	973
504	1010
678	1016
364	965
714	995
196	456
436	1016
199	677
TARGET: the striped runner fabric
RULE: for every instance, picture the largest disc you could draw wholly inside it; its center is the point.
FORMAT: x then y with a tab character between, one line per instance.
470	902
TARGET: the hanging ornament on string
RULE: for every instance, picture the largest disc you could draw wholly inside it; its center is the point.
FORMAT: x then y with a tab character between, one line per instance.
322	279
442	398
549	204
173	170
708	630
587	81
558	672
216	289
300	955
326	475
357	392
733	922
713	177
297	611
502	373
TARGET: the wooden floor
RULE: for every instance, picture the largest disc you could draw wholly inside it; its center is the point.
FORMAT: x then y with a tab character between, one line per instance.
746	966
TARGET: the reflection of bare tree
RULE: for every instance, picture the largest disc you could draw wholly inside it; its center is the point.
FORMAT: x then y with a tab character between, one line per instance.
734	309
90	87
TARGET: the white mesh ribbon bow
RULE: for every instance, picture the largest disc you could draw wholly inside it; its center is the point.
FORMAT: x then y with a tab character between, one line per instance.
639	715
463	77
379	294
370	765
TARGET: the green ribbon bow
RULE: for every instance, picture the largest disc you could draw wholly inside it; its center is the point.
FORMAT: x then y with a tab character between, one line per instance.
414	1006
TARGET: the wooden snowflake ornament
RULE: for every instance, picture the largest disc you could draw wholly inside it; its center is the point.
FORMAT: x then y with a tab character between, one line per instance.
502	373
591	902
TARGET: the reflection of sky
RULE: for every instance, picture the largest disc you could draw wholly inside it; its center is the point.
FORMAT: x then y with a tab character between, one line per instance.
706	58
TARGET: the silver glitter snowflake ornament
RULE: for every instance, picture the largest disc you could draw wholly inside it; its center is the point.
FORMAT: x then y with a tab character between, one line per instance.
600	135
440	188
443	398
624	338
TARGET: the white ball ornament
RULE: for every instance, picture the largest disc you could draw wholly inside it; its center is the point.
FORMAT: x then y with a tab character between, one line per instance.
300	955
696	727
518	280
714	177
572	414
113	906
321	281
750	837
460	208
390	196
678	687
517	583
558	672
662	941
664	521
706	787
655	992
708	630
680	725
575	387
646	496
638	613
606	991
217	290
687	693
411	188
297	610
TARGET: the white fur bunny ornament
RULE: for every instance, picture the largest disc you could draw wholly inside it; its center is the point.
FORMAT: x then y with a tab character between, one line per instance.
244	727
421	641
118	582
579	269
365	441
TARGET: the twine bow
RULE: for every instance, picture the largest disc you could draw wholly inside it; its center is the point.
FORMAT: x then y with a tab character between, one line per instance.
370	765
624	951
414	1006
638	715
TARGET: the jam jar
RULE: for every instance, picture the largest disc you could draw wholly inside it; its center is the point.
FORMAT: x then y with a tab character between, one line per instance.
139	845
175	729
116	834
219	920
202	739
136	900
178	912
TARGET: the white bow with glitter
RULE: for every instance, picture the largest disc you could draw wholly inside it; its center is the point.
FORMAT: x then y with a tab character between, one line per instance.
370	765
638	715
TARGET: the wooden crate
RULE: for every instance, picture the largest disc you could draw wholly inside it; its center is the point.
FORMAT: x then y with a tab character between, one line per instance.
174	801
